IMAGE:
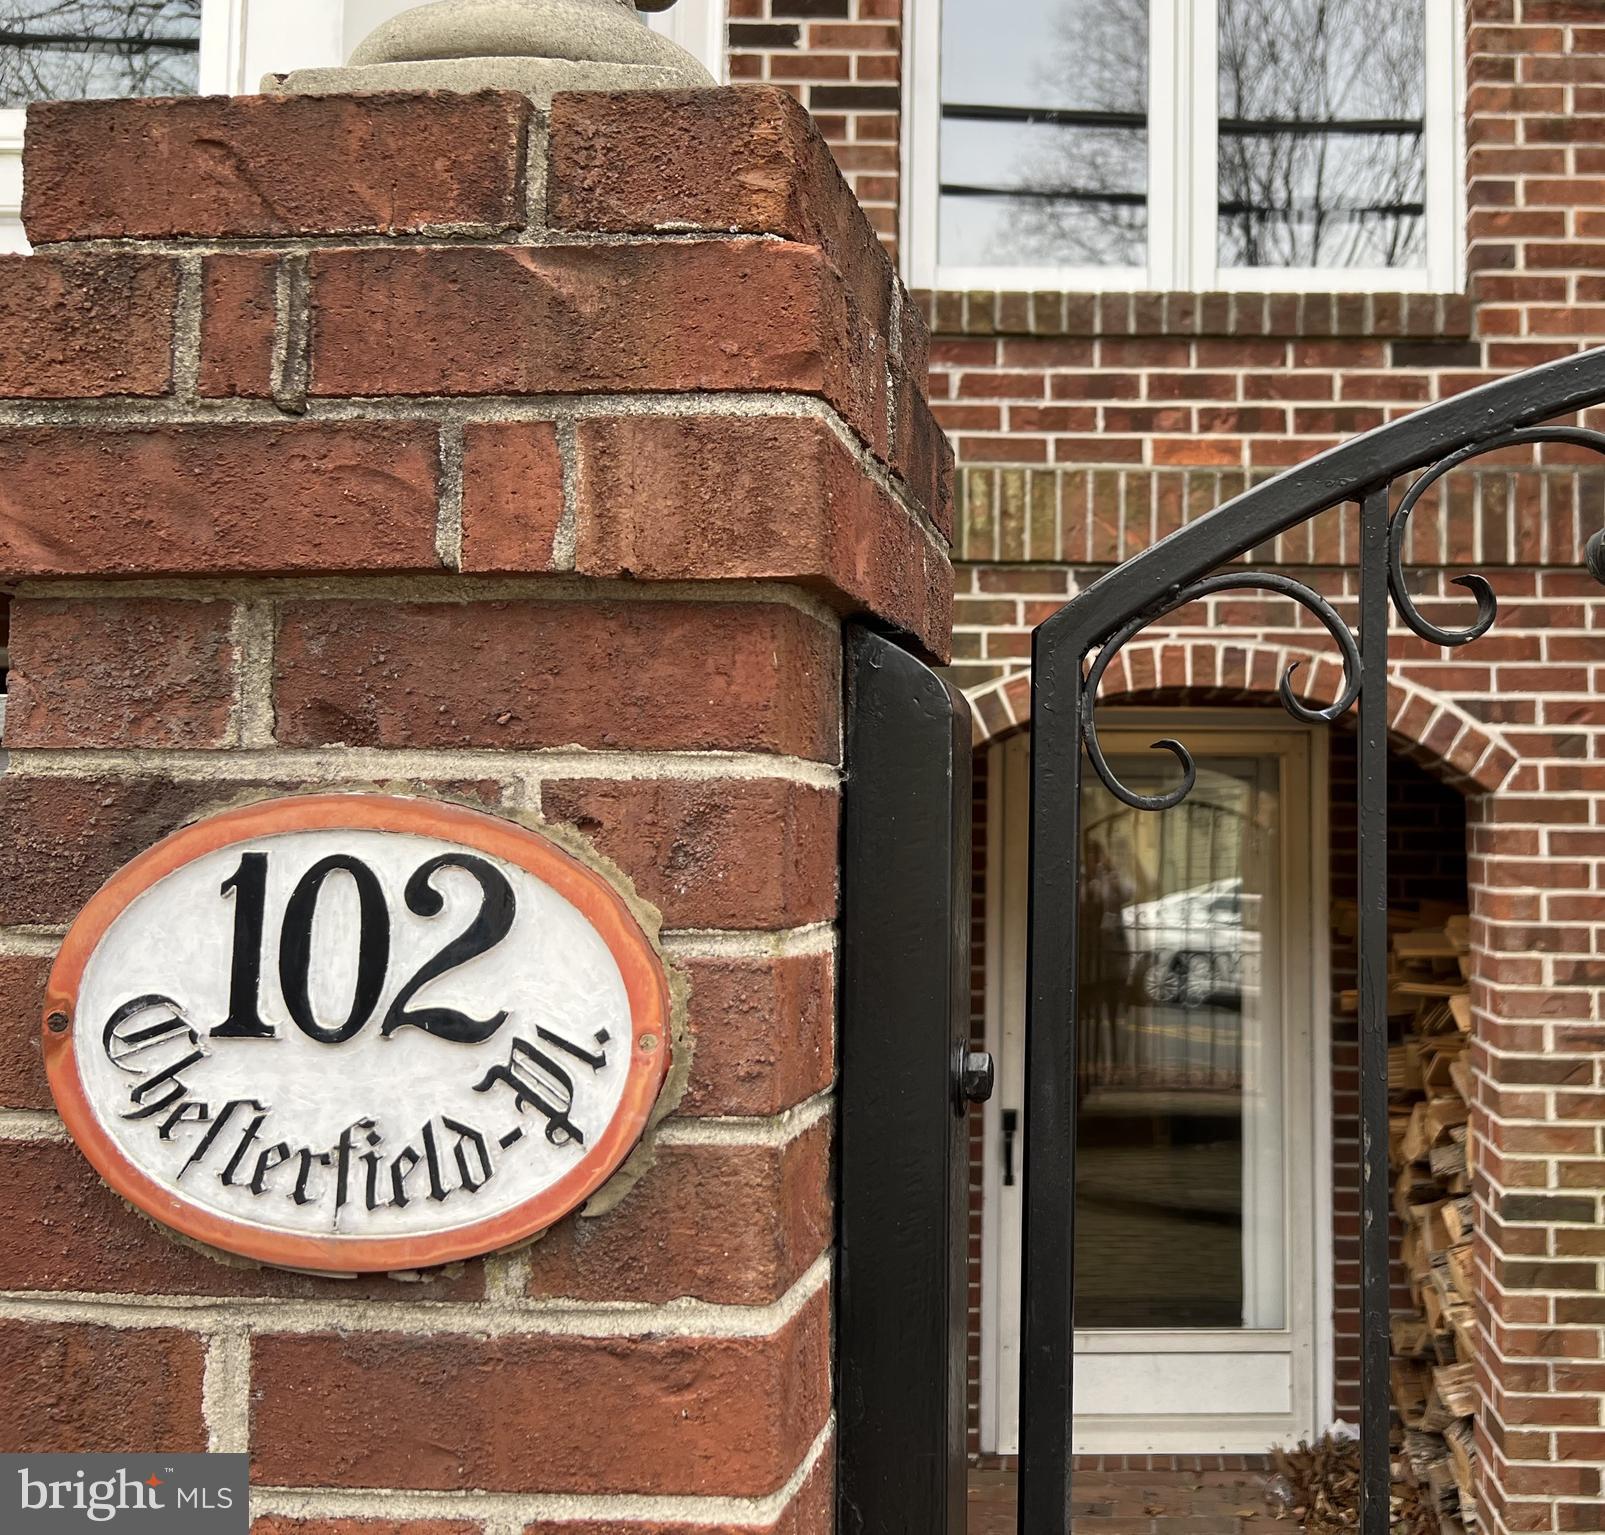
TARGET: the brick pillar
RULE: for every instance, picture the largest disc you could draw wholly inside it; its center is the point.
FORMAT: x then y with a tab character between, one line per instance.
431	443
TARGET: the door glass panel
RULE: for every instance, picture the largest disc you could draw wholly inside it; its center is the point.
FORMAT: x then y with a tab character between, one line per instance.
68	50
1180	1148
1044	148
1322	133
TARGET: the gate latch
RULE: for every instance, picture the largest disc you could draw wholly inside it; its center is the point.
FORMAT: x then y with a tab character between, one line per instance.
973	1076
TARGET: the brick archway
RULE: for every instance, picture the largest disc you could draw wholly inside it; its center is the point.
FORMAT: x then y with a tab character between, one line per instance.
1532	1014
1425	724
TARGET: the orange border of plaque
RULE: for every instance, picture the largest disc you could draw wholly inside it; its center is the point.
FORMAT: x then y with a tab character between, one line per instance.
602	906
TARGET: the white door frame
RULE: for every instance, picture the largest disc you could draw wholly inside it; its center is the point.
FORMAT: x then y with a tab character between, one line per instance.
1133	1358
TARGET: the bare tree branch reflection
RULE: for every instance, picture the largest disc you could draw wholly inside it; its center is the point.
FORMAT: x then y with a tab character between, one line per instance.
1091	182
1321	160
1302	197
69	49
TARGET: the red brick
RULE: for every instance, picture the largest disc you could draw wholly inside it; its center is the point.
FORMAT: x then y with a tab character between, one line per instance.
533	1413
63	837
239	316
811	1512
218	500
748	160
733	1225
1198	450
1548	1410
79	1390
22	1071
576	319
651	675
86	326
143	672
278	1524
763	1035
922	457
673	498
752	853
387	163
512	495
67	1231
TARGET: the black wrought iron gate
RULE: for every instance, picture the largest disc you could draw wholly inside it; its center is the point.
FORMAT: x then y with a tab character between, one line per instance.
904	1071
1071	652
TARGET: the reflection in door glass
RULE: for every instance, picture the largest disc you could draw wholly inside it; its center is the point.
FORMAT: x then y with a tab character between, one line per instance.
1179	1206
68	50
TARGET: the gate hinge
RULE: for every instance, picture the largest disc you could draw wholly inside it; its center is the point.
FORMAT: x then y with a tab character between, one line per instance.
973	1076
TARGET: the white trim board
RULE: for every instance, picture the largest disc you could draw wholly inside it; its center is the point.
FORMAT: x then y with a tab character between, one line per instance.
1182	150
11	235
698	26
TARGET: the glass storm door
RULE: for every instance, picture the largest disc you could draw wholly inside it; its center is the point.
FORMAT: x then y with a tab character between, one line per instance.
1197	1196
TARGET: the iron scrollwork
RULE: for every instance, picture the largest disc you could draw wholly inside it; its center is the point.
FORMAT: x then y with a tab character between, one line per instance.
1230	581
1487	605
1285	586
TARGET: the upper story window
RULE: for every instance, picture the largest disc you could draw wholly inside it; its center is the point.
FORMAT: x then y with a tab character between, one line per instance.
1184	144
53	50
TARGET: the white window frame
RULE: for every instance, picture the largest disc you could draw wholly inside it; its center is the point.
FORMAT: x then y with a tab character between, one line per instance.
11	237
243	40
1182	253
698	26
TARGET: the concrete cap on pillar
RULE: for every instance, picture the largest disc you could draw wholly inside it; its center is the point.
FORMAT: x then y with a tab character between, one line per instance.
538	47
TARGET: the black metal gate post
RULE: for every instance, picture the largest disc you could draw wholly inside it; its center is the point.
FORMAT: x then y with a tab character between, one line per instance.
1047	1311
1071	651
1375	1488
906	1081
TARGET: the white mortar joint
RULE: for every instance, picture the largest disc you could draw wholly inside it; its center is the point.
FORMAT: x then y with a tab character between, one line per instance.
492	1317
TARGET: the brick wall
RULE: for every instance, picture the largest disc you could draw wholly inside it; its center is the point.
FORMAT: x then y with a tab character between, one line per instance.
843	60
386	468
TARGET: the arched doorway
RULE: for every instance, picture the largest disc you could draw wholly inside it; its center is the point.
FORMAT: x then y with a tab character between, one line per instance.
1206	1200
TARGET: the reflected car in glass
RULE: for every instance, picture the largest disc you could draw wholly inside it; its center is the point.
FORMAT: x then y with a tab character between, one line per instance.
1198	946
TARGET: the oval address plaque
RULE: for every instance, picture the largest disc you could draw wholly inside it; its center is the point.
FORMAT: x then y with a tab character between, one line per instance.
355	1033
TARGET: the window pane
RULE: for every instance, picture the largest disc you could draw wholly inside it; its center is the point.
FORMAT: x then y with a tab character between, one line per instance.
1322	145
65	50
1179	1140
1044	147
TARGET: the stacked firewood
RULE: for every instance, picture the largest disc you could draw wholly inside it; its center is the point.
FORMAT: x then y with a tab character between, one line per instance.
1318	1485
1434	1387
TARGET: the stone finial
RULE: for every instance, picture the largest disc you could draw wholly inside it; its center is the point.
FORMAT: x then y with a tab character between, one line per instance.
538	47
